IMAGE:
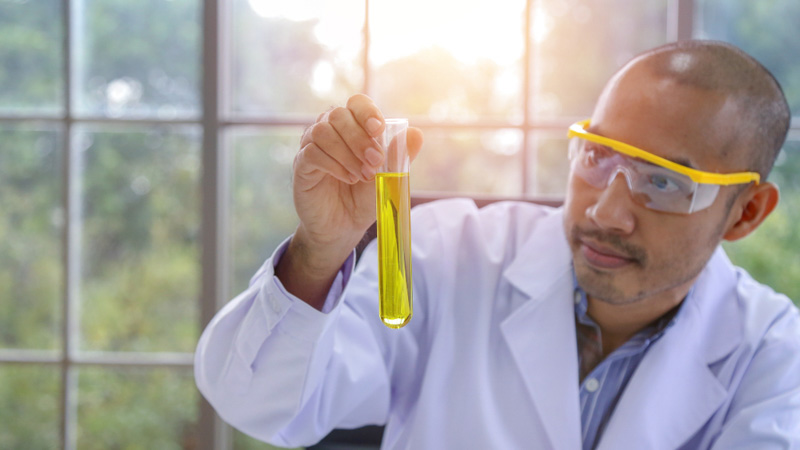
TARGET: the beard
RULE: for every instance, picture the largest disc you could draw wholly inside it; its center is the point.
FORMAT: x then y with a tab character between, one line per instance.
602	285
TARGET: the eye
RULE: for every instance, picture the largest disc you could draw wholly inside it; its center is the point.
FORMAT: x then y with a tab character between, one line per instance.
664	183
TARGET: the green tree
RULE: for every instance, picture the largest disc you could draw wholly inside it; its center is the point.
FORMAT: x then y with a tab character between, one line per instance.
30	232
30	52
770	254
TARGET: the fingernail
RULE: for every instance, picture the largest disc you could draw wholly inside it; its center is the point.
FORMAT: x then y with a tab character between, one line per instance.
373	126
373	156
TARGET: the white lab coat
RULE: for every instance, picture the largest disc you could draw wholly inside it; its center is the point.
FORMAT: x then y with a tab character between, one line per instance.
489	358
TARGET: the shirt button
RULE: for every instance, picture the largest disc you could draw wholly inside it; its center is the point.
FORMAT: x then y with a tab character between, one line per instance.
592	384
577	297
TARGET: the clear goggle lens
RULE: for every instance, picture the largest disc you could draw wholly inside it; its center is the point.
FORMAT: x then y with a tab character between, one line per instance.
652	186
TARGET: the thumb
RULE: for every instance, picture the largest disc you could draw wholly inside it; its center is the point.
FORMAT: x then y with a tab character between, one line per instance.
413	142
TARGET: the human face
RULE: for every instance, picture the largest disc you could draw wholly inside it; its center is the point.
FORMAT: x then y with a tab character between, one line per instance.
622	251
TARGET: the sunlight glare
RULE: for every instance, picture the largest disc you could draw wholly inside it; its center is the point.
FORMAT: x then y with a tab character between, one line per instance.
322	77
338	23
470	30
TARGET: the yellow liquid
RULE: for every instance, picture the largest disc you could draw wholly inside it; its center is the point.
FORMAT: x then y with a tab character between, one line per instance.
394	248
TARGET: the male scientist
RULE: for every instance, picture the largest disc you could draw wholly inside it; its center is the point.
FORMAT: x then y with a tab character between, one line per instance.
613	322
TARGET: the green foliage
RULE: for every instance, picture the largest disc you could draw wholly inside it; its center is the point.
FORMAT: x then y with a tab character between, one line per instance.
141	212
770	254
262	212
29	407
149	48
31	59
765	29
136	409
30	230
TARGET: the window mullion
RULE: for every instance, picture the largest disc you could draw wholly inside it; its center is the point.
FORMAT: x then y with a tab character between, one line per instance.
680	20
213	434
527	153
70	240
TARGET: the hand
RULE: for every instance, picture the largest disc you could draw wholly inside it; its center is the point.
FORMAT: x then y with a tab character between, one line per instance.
334	189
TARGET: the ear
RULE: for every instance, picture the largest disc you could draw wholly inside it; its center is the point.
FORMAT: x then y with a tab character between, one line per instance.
752	208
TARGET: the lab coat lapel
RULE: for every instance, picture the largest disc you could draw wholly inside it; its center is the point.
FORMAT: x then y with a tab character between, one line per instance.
541	331
673	392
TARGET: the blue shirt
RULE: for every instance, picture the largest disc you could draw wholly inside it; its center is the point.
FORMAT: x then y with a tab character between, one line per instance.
603	383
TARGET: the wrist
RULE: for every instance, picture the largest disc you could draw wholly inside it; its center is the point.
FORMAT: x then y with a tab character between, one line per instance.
320	256
307	269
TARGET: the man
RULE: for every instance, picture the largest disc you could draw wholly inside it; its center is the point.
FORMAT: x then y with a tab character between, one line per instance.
615	322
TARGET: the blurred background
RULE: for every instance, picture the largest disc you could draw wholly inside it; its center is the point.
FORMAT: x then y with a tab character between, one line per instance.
146	148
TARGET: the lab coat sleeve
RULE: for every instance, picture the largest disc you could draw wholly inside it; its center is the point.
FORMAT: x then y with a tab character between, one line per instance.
765	412
265	363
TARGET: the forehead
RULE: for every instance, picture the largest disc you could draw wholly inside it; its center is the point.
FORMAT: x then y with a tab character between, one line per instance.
688	125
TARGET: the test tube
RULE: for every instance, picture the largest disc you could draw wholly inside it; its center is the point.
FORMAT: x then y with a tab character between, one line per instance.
394	226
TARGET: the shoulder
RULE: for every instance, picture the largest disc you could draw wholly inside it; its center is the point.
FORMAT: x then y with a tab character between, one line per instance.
768	317
739	317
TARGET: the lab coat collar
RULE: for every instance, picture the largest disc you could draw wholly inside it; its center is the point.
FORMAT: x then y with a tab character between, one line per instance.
672	393
542	274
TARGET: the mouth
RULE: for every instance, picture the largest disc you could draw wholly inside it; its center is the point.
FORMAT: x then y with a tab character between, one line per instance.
603	257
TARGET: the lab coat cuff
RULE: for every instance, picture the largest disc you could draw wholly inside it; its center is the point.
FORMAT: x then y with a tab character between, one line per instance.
337	287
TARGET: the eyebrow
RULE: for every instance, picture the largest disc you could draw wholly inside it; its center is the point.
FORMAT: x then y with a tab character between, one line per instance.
682	161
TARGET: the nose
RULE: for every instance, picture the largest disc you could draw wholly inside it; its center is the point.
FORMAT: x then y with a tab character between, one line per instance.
613	209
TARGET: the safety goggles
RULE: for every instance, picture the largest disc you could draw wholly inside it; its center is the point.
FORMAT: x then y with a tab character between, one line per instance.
654	182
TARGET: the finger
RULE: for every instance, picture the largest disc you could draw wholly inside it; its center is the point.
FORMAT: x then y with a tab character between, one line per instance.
312	158
413	142
360	143
366	114
327	139
305	138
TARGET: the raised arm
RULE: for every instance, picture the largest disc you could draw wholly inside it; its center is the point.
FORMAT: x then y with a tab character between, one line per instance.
334	195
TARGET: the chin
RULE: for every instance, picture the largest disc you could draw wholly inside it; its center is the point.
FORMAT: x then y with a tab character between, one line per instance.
604	287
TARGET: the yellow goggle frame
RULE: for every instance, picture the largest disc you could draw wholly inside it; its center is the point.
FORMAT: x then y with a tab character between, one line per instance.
578	129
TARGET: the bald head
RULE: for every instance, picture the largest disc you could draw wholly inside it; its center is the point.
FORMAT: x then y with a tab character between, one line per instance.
762	111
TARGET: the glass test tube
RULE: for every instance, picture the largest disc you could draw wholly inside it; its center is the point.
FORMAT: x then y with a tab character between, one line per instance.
394	226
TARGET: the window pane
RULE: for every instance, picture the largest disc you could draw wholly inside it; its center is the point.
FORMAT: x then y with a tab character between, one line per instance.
140	252
766	30
262	210
31	223
137	408
31	60
138	58
469	162
294	56
548	165
448	60
770	253
579	44
29	406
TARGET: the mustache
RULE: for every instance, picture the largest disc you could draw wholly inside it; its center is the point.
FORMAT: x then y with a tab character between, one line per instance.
613	241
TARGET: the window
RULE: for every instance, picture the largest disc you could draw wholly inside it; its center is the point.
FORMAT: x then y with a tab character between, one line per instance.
146	147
